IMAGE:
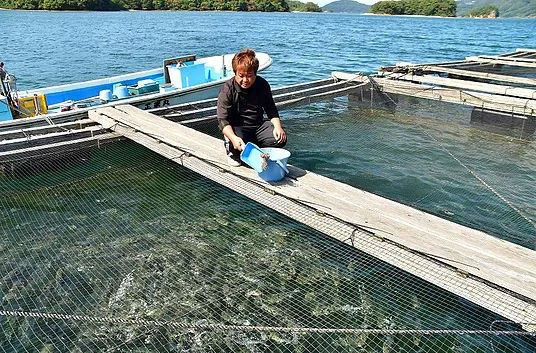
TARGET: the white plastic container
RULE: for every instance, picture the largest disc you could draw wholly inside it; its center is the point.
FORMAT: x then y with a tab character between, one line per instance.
105	95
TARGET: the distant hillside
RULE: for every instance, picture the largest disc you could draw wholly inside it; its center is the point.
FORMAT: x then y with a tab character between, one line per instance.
444	8
114	5
487	11
299	6
507	8
346	6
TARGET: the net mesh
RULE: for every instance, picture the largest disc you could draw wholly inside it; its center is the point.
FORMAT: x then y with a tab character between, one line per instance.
119	249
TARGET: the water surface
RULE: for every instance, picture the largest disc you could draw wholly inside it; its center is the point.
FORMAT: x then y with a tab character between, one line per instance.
123	233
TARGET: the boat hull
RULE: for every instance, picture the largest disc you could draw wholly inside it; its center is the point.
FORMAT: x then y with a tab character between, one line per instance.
147	102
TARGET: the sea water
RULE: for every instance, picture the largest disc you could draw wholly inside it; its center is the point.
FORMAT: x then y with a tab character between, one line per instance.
102	234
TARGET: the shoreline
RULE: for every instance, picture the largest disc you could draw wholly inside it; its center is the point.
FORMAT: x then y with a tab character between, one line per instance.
160	10
292	11
466	17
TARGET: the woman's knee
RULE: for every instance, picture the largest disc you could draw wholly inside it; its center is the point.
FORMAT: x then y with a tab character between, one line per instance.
271	142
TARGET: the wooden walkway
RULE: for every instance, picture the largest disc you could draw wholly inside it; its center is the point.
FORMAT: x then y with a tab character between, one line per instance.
455	91
38	138
501	84
495	274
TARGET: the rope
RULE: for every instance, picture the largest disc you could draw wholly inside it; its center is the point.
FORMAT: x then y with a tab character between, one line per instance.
476	176
483	182
255	328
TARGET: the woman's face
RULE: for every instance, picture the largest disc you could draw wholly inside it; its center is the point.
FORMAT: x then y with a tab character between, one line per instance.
244	78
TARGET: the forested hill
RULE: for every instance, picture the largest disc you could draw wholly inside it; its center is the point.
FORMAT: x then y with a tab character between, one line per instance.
445	8
346	6
303	7
507	8
191	5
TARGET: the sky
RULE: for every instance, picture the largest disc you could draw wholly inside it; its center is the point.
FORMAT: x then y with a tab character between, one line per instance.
324	2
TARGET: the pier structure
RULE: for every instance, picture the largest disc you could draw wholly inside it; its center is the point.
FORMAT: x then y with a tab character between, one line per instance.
500	89
495	274
38	138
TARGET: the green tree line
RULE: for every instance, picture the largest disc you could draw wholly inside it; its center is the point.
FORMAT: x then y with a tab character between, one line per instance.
303	7
510	8
484	11
115	5
445	8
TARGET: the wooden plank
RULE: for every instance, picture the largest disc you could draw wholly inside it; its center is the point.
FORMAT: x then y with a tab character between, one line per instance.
468	63
207	103
44	129
198	118
499	62
289	97
422	244
55	148
302	86
508	58
526	50
323	94
392	68
311	90
515	54
452	63
190	114
525	107
512	55
471	64
53	137
417	224
477	99
54	119
477	74
469	85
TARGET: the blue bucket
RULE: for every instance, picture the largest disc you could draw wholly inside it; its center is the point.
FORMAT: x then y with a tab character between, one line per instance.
276	169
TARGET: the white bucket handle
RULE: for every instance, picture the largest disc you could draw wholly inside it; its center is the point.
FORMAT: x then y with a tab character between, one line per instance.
282	166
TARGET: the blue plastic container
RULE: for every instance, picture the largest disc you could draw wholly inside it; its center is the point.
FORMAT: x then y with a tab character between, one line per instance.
275	169
5	111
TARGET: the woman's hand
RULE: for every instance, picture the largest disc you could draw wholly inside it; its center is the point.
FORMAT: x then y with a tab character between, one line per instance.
279	134
238	143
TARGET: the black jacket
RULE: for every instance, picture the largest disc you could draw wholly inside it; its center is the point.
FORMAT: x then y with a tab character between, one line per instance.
245	107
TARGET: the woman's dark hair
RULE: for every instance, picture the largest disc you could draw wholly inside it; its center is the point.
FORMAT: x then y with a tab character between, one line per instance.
246	58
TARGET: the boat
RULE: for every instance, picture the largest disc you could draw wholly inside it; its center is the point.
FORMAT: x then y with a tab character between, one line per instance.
179	80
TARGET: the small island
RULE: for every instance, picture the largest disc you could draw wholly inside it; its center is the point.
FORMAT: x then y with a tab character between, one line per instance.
349	6
484	12
443	8
298	6
188	5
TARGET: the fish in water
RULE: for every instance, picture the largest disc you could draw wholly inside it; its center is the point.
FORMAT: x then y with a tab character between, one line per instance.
264	164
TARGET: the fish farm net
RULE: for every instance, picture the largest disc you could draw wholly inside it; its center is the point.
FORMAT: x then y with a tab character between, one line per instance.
118	249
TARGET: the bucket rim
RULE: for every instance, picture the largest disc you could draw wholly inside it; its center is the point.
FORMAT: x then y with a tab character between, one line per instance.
285	153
